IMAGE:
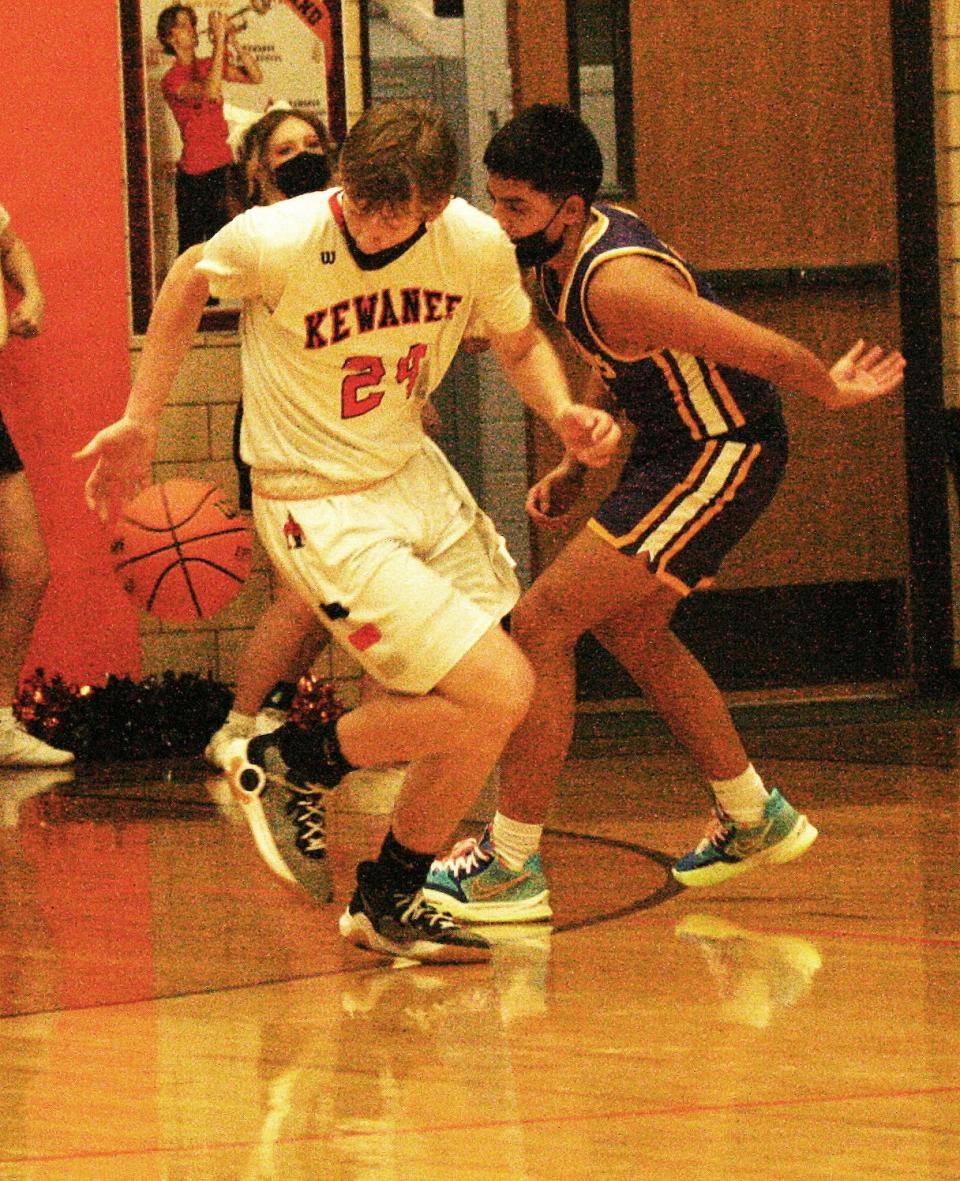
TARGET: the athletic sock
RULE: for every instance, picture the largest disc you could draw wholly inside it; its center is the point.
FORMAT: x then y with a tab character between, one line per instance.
405	869
314	752
515	840
742	798
6	716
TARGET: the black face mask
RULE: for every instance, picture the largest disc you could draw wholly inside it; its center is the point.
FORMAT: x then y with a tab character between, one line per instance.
307	172
535	249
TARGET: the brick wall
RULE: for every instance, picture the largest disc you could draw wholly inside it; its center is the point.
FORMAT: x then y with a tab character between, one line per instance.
195	441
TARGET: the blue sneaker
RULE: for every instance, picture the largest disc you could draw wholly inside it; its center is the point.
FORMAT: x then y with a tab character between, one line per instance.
473	884
730	849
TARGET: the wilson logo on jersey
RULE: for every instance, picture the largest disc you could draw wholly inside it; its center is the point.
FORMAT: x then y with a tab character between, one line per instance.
378	309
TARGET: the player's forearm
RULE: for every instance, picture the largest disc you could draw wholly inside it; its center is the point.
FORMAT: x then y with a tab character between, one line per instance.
213	83
248	68
792	367
170	335
535	372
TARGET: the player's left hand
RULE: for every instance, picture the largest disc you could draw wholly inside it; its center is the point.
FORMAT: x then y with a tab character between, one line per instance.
550	501
123	451
589	434
865	373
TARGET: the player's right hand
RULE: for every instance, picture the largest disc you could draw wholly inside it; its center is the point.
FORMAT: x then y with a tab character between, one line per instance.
123	452
590	434
550	501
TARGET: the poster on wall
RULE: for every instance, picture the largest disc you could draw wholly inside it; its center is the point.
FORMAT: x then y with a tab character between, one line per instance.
276	51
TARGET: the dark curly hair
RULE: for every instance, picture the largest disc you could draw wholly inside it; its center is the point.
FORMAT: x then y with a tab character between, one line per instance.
550	148
167	19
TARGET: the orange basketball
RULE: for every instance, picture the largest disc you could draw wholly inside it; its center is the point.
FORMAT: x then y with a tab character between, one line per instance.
181	550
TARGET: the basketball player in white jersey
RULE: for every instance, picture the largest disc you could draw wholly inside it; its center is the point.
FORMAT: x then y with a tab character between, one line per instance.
356	300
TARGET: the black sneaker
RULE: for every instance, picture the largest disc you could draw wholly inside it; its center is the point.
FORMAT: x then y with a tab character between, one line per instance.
308	755
287	818
399	923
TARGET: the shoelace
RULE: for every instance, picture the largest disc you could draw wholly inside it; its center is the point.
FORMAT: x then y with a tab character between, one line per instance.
421	912
308	812
718	832
466	856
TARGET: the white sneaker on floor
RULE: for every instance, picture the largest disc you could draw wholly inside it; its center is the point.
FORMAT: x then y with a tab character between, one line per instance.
20	784
20	749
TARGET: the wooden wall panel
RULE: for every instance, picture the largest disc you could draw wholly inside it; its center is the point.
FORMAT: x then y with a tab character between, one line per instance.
764	140
763	133
538	51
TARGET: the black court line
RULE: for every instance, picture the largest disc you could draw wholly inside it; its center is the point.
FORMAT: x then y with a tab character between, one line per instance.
668	889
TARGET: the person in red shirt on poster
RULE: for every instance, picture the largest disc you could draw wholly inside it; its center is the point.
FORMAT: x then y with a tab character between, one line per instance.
193	89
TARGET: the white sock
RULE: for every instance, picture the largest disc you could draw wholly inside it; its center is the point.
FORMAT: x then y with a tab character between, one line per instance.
742	798
514	840
242	723
6	717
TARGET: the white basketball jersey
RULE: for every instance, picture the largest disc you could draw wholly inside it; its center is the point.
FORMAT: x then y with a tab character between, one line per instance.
336	359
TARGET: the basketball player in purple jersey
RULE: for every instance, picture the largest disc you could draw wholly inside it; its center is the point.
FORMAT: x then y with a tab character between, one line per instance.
699	384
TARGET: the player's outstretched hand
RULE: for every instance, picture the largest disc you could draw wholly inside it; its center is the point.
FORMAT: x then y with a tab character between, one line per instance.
123	452
864	373
550	500
589	434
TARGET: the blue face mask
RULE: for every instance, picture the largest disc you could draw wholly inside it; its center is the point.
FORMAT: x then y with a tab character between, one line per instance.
535	249
306	172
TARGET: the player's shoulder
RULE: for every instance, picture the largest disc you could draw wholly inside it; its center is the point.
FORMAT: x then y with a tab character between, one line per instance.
294	221
474	237
462	217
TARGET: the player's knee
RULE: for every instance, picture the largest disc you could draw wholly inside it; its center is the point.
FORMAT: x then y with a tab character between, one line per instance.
541	621
505	694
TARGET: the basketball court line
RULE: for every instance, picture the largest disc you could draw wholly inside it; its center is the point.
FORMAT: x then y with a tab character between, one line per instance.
677	1111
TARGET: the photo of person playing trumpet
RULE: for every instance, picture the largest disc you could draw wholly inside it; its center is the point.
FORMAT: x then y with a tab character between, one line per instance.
193	89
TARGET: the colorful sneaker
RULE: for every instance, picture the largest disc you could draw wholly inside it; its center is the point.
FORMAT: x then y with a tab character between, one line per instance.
473	884
287	817
729	849
20	749
405	924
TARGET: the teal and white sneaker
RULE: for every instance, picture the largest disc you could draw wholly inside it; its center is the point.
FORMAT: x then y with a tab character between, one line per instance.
473	884
729	849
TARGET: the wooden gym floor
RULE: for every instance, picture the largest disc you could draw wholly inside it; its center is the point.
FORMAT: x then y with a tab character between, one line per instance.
171	1012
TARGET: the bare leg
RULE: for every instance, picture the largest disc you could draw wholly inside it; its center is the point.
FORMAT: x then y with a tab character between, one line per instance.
24	573
677	685
287	639
591	586
453	736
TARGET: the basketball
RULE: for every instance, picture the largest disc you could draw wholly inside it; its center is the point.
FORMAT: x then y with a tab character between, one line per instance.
181	550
